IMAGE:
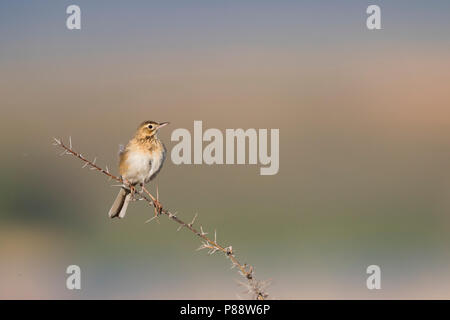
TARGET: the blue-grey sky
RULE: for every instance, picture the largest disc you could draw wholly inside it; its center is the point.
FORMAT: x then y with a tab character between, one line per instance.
38	27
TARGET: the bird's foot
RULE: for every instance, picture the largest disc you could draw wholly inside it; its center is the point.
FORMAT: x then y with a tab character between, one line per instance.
156	203
158	207
127	185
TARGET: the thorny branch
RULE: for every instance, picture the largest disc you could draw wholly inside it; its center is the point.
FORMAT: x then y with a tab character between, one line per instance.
254	287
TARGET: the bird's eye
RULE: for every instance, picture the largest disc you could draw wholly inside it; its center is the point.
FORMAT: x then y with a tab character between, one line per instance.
150	126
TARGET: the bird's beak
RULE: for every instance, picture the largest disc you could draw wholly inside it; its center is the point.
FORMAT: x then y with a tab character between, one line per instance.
163	124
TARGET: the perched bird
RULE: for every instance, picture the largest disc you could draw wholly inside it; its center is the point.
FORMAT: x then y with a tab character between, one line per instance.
140	161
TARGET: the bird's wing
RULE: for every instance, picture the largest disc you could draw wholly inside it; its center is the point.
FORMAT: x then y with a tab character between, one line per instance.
121	149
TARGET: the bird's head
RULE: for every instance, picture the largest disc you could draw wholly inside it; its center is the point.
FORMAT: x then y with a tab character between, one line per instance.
148	129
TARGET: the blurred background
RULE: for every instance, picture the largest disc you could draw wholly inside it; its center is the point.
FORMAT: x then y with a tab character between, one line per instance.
364	119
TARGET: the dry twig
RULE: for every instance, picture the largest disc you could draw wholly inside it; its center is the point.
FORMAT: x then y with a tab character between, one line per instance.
254	287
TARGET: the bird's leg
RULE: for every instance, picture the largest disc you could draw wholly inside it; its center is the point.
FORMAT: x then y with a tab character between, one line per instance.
131	187
141	191
156	203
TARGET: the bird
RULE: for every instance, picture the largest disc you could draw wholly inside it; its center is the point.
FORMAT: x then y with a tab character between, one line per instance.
139	162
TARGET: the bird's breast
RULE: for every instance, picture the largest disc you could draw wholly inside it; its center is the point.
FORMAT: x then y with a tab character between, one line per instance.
142	166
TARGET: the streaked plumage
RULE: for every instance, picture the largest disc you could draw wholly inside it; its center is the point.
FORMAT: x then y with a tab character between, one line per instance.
139	162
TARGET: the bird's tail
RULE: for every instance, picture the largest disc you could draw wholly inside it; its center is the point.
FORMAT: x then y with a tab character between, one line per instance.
120	205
